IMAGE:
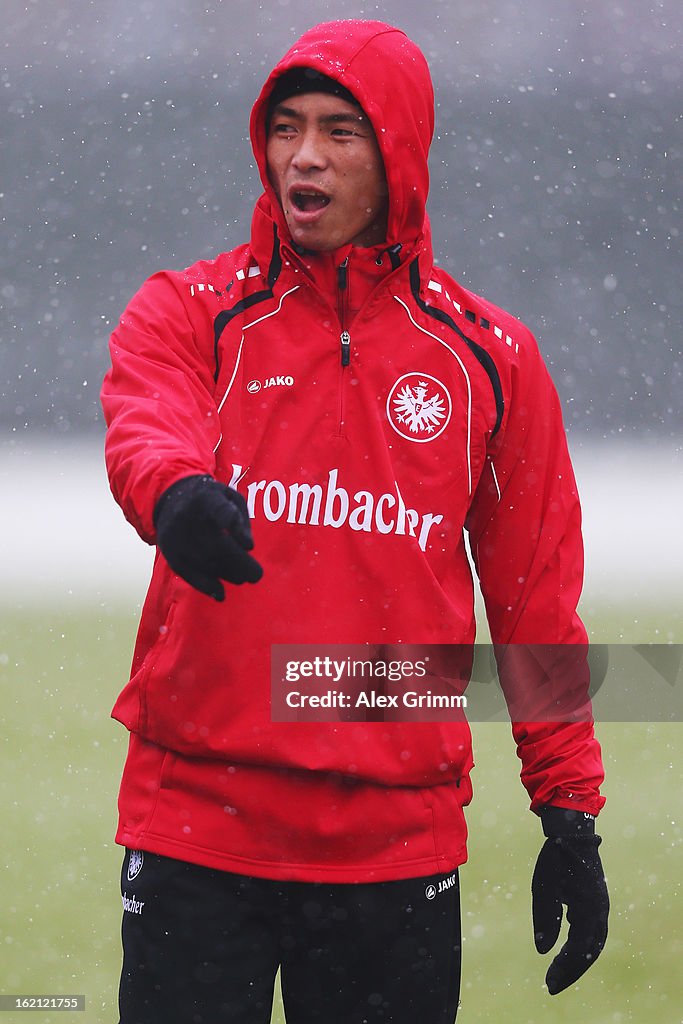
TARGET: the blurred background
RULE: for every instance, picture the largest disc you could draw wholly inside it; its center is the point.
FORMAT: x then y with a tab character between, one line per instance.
556	175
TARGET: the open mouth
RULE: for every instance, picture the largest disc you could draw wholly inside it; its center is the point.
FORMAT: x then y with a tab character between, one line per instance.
309	201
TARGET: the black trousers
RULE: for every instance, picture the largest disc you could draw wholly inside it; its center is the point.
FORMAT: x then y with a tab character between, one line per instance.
203	947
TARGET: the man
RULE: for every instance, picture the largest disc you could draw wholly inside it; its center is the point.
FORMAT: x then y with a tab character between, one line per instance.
330	389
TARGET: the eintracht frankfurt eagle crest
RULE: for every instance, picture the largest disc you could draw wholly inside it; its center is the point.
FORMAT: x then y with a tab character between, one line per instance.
419	407
135	861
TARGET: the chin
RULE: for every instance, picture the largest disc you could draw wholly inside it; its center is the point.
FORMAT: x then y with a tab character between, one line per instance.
317	243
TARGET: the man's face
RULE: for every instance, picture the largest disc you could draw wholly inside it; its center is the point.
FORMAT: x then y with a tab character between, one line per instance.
325	166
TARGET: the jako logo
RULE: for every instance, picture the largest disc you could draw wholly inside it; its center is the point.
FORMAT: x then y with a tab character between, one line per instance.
445	883
255	386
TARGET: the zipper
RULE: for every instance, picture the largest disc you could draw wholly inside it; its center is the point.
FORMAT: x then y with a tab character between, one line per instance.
343	286
344	337
342	311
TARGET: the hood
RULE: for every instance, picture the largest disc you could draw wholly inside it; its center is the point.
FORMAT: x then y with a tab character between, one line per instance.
389	77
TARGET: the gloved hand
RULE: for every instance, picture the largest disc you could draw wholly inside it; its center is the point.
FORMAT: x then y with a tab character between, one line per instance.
203	532
569	871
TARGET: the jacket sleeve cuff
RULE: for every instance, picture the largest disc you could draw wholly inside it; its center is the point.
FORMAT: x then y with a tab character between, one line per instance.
561	821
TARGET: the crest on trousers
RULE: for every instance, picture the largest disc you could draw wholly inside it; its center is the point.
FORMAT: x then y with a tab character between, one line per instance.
135	861
419	407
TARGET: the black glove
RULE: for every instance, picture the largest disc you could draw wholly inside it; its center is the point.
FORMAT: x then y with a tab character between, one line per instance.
569	871
203	532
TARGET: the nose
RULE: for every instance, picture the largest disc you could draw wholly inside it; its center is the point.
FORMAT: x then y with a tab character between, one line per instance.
310	154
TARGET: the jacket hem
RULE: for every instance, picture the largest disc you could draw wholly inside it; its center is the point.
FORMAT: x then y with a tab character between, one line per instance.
279	871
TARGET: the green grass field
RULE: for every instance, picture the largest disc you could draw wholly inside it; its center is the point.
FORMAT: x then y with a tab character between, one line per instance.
59	902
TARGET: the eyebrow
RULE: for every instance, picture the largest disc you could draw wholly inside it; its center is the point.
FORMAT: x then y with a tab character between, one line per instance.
281	110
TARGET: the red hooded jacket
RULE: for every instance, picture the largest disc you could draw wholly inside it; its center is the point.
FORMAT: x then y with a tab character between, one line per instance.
361	476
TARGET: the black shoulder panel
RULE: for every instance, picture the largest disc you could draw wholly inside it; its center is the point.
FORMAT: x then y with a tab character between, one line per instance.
224	318
482	356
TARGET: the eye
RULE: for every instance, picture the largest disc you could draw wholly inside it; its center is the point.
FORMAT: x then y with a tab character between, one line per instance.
343	133
282	128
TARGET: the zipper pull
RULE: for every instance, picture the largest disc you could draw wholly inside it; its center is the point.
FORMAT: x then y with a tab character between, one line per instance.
345	348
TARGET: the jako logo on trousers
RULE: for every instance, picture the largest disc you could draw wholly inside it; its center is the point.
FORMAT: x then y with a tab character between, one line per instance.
332	505
445	883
